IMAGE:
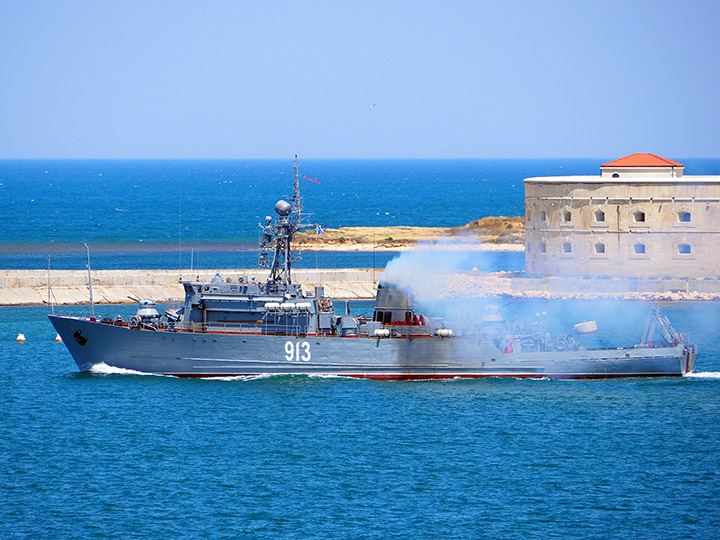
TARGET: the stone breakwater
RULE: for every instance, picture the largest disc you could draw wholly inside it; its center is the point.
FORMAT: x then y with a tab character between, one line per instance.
30	287
516	285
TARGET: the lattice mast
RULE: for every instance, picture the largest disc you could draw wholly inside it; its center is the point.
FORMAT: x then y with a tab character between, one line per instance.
287	223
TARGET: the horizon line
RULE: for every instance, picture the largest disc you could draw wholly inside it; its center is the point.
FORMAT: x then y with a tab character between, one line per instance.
310	158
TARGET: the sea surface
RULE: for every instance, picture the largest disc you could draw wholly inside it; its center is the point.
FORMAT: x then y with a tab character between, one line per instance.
205	214
112	454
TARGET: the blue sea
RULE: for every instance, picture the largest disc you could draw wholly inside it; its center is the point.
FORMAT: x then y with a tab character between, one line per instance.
117	455
205	214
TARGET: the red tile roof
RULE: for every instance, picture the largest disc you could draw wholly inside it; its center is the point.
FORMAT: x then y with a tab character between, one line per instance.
642	160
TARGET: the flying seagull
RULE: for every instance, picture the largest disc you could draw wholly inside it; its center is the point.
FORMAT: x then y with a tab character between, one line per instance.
373	105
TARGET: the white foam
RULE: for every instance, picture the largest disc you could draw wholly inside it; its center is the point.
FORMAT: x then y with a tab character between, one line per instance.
704	375
239	377
103	369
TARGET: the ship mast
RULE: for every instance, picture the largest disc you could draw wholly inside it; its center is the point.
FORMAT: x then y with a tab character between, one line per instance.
287	223
296	198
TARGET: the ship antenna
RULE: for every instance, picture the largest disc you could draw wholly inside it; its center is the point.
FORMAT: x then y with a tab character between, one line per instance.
92	304
296	199
180	230
50	293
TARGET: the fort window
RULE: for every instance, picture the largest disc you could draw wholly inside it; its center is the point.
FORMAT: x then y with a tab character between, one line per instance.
543	247
543	215
567	216
639	248
616	175
639	217
600	248
599	215
684	249
567	248
684	217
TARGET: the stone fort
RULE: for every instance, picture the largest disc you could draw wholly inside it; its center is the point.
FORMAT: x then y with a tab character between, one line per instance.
640	218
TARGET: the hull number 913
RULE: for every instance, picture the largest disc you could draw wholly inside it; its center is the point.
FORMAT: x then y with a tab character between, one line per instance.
297	351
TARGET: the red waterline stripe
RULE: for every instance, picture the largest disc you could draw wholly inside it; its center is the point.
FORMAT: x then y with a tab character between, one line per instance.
400	377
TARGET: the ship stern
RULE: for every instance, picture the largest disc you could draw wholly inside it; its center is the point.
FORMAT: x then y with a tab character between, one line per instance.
691	352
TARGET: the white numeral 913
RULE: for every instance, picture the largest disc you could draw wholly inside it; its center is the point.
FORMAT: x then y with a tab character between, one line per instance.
293	351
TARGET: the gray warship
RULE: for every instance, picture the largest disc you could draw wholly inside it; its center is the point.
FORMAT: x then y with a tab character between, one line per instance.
248	328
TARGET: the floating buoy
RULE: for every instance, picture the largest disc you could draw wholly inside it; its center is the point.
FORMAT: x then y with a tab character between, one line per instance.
57	337
21	338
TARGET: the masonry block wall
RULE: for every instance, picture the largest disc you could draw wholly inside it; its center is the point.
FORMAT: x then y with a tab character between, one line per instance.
632	221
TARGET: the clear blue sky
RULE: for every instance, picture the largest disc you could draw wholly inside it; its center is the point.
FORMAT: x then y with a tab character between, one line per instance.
259	79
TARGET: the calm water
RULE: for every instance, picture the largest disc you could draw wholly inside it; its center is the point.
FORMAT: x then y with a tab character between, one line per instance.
147	213
127	456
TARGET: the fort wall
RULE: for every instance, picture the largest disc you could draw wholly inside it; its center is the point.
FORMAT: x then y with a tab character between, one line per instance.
629	224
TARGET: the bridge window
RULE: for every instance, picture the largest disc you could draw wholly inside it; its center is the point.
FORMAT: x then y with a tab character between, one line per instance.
684	249
684	217
639	249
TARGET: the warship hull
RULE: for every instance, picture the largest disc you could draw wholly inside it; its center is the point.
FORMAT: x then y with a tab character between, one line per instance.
219	354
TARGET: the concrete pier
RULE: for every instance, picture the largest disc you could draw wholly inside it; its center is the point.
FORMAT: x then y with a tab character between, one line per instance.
30	287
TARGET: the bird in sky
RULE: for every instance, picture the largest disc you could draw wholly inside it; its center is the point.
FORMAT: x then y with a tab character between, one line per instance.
372	106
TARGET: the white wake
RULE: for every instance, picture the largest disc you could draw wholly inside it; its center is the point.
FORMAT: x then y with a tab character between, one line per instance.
103	369
704	375
232	378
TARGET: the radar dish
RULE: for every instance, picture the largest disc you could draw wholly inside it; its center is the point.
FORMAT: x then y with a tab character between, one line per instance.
283	207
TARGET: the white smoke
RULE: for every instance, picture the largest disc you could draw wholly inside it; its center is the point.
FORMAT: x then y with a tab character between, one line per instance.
449	279
424	270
